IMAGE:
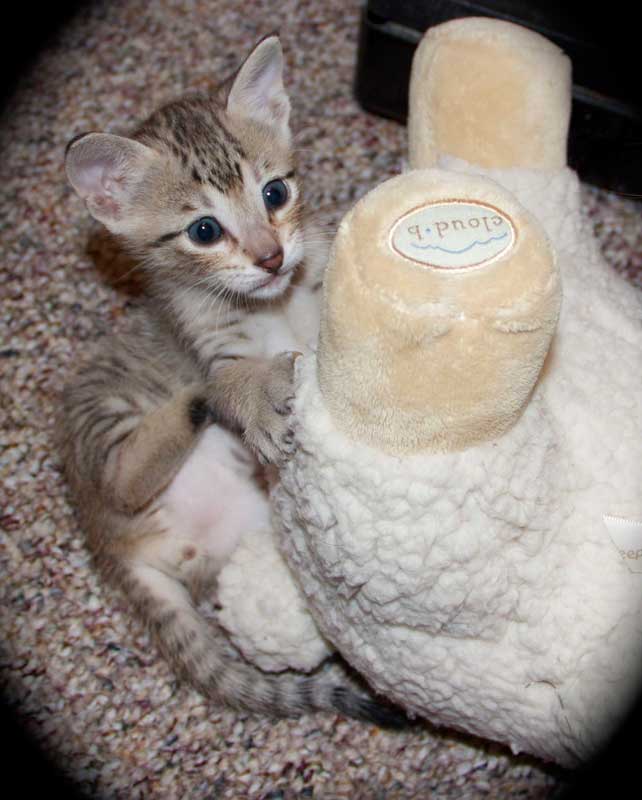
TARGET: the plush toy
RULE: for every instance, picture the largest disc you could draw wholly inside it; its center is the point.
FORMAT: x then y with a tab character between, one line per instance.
463	515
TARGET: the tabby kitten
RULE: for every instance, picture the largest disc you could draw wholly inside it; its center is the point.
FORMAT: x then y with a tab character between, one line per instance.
163	426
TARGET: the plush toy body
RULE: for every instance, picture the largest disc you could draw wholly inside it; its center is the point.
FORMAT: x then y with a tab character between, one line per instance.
464	512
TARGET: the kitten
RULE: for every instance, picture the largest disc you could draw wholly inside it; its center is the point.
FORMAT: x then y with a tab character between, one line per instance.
205	194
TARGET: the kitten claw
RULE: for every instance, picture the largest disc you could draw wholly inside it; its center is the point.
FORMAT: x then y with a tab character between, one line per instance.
285	408
270	433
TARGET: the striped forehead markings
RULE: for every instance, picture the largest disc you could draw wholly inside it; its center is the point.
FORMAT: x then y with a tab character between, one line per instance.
204	146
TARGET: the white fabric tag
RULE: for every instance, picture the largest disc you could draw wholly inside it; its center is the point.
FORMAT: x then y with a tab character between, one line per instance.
626	535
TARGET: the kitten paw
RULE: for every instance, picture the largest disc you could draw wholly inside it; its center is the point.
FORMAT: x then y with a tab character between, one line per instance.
270	433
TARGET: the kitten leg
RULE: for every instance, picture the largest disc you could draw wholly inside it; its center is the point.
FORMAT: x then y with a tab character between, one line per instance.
126	443
255	395
145	462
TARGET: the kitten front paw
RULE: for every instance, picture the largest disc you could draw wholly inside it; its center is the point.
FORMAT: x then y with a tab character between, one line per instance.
269	432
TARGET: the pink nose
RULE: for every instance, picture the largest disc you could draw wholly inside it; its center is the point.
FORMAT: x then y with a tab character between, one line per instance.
272	261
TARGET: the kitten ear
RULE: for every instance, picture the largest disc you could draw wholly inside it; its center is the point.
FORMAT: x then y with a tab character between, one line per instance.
107	171
257	90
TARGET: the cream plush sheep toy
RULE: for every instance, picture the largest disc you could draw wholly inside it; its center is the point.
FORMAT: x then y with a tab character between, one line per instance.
463	516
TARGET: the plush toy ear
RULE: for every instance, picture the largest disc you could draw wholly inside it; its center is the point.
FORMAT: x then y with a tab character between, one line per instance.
106	171
257	90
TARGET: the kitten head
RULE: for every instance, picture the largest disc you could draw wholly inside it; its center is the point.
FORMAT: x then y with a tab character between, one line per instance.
205	191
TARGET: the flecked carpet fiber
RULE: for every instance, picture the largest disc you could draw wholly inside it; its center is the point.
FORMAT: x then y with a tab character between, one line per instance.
85	680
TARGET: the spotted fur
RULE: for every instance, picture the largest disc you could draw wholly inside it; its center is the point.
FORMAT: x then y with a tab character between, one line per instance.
163	426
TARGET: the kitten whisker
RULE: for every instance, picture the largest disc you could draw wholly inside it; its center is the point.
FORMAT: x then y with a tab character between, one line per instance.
206	296
220	300
122	278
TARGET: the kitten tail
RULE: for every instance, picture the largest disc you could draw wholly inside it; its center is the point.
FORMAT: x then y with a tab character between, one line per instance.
197	655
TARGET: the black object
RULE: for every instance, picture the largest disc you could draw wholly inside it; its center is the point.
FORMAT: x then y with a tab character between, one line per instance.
605	139
26	768
28	32
612	772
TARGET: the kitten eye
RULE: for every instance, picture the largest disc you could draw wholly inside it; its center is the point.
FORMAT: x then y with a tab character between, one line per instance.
205	231
275	194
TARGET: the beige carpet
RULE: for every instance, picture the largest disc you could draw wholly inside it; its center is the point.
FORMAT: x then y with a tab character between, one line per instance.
85	681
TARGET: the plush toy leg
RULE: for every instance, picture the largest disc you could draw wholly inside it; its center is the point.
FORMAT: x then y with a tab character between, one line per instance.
441	299
264	611
491	93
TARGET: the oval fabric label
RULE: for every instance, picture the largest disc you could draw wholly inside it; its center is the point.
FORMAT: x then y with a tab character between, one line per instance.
453	234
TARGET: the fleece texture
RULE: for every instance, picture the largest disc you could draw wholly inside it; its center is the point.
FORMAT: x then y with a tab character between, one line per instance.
264	611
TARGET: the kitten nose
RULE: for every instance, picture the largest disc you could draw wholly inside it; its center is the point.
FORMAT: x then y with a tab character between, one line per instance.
272	261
